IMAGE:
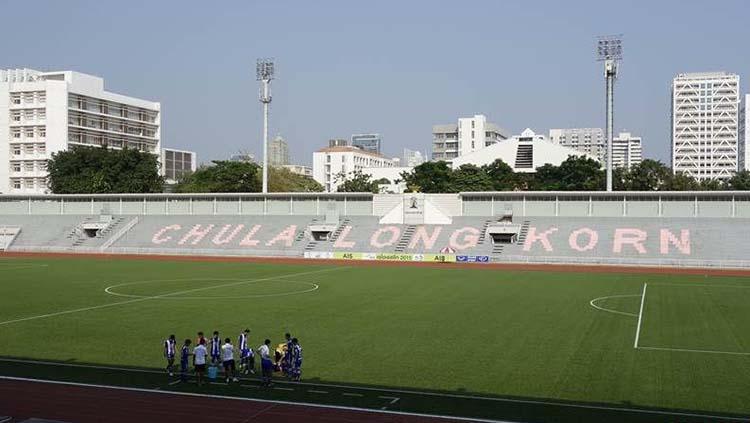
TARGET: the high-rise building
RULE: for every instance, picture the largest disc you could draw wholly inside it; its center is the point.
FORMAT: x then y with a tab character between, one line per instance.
586	140
412	158
368	142
338	142
332	164
471	134
626	150
705	125
278	152
45	112
745	133
177	163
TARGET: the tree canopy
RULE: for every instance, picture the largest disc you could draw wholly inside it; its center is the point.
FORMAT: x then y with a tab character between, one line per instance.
98	170
222	176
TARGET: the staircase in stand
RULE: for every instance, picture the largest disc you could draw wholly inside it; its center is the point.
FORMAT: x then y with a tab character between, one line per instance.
483	235
524	231
497	249
335	235
405	238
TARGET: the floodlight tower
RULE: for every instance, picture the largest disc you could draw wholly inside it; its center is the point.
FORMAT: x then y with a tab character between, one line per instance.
264	73
609	51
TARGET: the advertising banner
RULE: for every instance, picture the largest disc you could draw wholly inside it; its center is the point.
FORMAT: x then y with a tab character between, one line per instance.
473	259
347	256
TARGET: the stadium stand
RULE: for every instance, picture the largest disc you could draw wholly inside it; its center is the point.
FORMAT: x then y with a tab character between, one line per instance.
638	229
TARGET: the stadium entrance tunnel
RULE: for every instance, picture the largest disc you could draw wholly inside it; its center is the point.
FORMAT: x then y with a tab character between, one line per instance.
504	233
321	232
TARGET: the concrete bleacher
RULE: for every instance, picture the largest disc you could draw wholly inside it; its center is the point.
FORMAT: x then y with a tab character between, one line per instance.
638	228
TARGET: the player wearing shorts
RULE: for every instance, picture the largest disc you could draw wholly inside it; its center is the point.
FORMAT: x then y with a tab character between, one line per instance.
247	358
296	360
227	359
200	354
286	359
266	364
215	344
184	360
169	353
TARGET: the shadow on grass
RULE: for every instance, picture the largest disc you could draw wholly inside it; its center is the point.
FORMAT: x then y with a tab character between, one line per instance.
461	402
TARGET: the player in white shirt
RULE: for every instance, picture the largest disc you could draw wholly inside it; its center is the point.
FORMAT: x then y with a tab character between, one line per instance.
200	353
266	363
227	358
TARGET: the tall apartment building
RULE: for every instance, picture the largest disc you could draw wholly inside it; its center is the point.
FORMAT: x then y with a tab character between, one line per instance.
586	140
412	158
368	142
278	152
469	135
744	130
42	113
177	163
705	125
627	150
329	163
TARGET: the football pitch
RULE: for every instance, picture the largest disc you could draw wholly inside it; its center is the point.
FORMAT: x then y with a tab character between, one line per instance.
462	341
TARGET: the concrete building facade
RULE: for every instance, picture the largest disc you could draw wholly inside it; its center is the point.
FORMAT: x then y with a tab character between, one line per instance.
744	133
705	125
278	152
330	164
42	113
586	140
469	135
627	150
177	163
412	158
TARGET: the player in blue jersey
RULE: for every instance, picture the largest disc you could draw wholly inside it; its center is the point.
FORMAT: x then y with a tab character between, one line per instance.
184	360
247	358
215	344
286	360
169	352
295	354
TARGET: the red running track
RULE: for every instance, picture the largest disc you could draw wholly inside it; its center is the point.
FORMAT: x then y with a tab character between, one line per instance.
84	404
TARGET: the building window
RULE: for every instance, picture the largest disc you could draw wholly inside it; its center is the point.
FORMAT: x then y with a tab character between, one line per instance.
29	132
41	149
472	124
16	149
29	183
16	184
15	98
28	166
16	133
15	167
15	116
42	132
28	148
472	133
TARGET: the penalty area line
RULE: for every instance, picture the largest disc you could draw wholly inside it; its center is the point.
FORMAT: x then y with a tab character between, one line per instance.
640	316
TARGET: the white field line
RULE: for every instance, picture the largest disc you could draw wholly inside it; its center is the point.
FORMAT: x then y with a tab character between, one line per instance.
155	297
227	397
367	389
694	351
593	304
312	287
315	391
351	394
640	316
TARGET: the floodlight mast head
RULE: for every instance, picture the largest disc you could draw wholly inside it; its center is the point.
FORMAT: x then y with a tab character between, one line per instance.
609	47
264	69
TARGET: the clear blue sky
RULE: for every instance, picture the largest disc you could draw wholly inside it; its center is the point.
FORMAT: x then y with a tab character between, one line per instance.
393	67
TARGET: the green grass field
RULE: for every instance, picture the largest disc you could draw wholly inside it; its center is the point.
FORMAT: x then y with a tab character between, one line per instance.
473	331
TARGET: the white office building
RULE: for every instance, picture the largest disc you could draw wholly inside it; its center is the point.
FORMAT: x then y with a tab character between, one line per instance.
524	153
278	152
412	158
175	164
299	170
42	113
705	125
586	140
331	163
745	133
368	142
469	135
627	150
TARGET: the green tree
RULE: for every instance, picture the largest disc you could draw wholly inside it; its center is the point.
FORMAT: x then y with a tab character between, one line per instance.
222	176
576	173
502	176
355	182
648	175
711	185
740	181
680	181
281	179
99	170
430	177
469	177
